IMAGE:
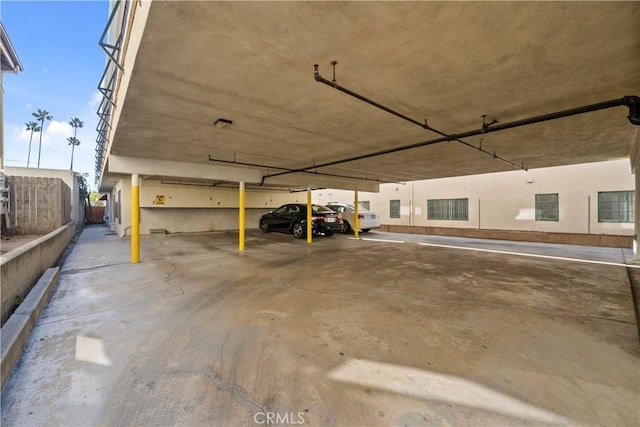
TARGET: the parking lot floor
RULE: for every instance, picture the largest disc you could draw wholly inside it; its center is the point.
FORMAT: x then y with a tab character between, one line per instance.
340	332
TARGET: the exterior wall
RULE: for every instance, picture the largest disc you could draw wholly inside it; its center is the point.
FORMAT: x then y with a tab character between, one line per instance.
506	200
68	177
22	267
120	216
189	220
182	208
37	205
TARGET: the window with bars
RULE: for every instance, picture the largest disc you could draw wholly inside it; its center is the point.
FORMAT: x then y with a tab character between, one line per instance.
616	206
547	208
394	209
448	209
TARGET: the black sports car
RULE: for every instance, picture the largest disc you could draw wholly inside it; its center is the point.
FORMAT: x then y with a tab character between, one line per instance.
292	218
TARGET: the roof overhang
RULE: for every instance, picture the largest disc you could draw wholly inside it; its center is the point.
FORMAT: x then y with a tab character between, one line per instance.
454	65
10	63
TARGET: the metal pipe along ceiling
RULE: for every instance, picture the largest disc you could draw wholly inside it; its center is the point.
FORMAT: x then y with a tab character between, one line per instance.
633	102
234	162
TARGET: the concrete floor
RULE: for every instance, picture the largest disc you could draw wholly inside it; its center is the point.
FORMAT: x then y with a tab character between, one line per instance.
341	332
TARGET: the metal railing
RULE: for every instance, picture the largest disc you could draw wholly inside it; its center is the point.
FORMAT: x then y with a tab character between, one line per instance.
111	42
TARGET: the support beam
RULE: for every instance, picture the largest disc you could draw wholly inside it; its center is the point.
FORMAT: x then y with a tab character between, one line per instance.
241	220
135	218
319	181
635	169
356	220
169	168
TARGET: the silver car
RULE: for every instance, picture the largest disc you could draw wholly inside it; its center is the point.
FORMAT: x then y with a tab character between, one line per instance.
367	220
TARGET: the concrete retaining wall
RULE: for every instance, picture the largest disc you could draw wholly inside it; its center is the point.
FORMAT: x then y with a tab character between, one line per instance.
68	177
522	236
16	331
37	205
22	267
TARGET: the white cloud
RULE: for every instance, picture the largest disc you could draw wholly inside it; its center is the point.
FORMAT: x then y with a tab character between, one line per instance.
95	99
57	128
20	133
56	131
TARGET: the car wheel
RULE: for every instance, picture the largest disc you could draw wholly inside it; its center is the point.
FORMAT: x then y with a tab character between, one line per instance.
298	230
346	227
264	226
365	230
328	233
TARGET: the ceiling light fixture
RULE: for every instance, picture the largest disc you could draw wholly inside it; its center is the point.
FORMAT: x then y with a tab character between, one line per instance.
222	123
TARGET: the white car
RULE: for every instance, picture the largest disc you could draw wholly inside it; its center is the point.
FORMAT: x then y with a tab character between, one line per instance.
367	220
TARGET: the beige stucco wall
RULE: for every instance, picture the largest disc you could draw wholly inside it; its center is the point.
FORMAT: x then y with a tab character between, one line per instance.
192	208
189	220
506	200
121	225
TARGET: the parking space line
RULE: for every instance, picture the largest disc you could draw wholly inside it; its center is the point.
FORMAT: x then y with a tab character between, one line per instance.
615	264
377	240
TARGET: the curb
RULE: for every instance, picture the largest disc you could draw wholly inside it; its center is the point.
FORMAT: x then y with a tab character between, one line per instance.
17	329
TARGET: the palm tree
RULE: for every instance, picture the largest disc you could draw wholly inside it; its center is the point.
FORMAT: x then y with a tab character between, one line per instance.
73	141
33	127
41	115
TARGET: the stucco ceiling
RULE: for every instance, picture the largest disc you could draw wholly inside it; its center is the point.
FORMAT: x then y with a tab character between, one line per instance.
449	63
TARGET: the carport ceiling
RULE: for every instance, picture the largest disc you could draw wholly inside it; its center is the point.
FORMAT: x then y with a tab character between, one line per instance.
449	63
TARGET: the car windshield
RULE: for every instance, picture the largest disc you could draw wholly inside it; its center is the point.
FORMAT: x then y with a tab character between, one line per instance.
337	208
349	207
320	209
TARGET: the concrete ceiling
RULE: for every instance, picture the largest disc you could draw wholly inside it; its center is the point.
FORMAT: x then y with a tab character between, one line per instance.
450	63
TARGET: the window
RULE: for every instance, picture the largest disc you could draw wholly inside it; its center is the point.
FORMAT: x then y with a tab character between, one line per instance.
365	204
281	210
448	209
616	206
547	207
394	209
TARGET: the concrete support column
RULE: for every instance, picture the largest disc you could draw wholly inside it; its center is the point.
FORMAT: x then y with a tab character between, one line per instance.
309	208
636	215
241	219
356	220
135	218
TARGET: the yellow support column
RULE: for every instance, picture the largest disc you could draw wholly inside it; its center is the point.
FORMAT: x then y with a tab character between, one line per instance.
356	220
135	219
241	222
309	226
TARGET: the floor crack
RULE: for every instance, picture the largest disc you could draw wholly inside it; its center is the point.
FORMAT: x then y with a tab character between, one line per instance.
238	393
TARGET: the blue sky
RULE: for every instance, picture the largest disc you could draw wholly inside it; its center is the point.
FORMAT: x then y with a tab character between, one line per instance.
57	43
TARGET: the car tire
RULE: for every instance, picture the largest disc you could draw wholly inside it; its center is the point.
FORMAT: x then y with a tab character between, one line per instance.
298	230
346	227
264	226
365	230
